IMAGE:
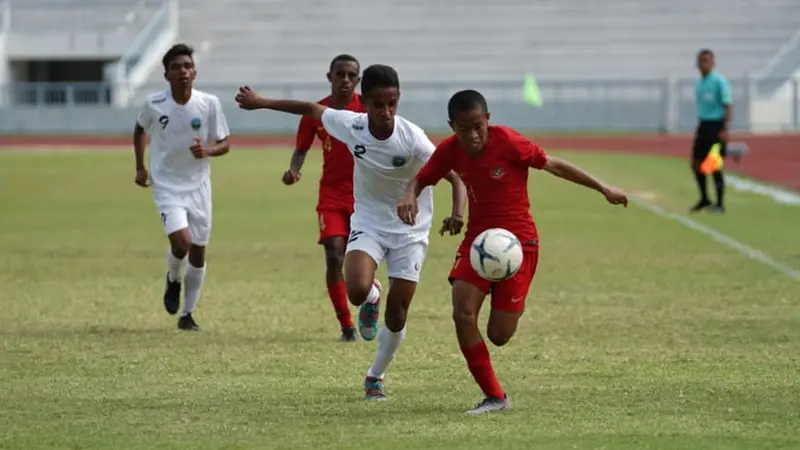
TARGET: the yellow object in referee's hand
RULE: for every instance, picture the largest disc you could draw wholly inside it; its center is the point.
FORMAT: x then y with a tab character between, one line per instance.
713	162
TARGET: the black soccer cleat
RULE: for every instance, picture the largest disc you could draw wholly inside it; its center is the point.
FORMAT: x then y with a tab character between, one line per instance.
717	209
187	323
701	205
349	335
172	296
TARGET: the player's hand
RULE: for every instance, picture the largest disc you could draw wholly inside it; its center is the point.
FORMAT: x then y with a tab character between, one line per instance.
407	210
452	225
198	150
142	178
247	98
615	196
291	177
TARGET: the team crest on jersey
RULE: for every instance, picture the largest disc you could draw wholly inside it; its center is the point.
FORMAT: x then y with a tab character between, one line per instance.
196	123
398	161
498	173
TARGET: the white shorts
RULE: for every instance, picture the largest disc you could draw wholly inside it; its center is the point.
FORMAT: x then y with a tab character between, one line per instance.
190	210
404	257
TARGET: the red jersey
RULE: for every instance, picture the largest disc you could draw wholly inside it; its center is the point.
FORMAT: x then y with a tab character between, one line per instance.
336	183
496	180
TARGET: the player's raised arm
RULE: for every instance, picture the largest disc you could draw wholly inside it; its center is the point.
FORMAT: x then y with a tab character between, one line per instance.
140	144
247	99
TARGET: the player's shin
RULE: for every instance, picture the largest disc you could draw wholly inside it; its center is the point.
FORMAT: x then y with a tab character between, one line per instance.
388	345
175	265
193	283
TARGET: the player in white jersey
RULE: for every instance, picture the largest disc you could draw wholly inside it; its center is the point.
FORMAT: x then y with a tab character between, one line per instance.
388	151
186	128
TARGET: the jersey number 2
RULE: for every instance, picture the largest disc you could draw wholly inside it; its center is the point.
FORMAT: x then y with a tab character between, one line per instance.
359	150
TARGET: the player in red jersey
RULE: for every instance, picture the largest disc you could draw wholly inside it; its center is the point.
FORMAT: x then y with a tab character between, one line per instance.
335	203
493	162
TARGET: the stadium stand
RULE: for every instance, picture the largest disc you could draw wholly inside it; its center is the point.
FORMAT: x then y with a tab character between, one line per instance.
285	40
76	28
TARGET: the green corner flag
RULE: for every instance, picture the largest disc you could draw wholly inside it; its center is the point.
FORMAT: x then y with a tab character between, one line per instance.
530	92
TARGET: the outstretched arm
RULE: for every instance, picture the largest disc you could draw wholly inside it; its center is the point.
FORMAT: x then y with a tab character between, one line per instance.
247	99
569	172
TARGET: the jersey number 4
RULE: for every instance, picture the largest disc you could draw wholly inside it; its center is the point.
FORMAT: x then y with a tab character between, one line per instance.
359	150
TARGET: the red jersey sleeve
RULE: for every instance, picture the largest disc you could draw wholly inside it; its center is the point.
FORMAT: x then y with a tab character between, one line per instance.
526	152
306	131
439	164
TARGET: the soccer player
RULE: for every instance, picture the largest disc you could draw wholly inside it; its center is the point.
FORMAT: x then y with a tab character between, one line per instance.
493	162
335	203
714	112
186	128
388	151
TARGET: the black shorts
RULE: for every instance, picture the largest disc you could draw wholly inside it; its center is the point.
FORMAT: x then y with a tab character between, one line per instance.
705	137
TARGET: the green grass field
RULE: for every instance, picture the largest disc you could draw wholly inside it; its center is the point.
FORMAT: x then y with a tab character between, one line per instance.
640	333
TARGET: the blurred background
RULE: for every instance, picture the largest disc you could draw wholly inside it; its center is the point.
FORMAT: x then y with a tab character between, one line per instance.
85	66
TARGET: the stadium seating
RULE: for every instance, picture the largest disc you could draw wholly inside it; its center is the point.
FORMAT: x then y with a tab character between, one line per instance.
41	26
289	40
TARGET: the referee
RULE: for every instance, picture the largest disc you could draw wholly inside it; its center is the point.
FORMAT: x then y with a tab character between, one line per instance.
714	110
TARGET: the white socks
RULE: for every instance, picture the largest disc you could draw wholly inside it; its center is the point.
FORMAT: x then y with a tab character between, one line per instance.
388	344
374	295
192	283
175	266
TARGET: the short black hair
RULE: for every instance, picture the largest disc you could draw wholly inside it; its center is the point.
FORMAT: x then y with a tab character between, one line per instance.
175	51
344	57
379	76
465	101
705	51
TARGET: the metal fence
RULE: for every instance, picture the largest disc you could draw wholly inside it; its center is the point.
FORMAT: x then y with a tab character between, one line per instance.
570	105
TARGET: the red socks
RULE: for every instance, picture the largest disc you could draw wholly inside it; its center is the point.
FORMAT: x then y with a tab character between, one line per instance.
338	294
480	364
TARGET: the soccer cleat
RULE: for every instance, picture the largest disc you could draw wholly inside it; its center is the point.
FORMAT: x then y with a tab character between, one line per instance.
187	323
368	315
373	389
349	335
490	405
701	205
172	296
717	209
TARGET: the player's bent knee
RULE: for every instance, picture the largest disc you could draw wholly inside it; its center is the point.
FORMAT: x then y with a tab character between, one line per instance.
499	337
181	241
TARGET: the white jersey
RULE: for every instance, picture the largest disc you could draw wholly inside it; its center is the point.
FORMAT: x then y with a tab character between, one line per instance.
172	129
382	172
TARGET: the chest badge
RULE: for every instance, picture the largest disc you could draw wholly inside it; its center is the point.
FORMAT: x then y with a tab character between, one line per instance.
196	123
398	161
498	173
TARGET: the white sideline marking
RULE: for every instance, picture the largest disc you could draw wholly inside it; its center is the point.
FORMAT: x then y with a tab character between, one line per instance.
783	196
749	252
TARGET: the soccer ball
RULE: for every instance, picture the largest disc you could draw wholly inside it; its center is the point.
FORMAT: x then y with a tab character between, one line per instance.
496	254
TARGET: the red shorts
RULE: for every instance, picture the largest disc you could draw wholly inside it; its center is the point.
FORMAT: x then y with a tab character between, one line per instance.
507	295
333	222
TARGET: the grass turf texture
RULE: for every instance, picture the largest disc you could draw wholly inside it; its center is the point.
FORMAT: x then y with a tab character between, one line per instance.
640	333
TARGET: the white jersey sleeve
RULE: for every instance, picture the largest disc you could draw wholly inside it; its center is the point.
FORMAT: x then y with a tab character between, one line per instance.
339	123
145	117
218	124
423	147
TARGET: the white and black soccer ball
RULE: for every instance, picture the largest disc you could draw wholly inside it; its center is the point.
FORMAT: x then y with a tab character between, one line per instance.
496	254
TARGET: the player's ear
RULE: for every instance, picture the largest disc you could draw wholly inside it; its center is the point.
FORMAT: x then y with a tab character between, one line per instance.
328	76
450	124
165	75
488	115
